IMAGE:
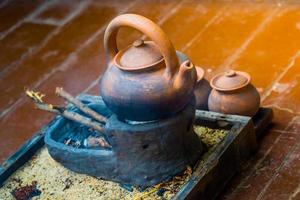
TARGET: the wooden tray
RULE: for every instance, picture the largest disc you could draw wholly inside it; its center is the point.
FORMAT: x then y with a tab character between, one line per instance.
218	166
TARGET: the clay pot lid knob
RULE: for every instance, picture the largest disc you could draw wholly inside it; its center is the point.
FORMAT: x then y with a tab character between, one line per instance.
230	73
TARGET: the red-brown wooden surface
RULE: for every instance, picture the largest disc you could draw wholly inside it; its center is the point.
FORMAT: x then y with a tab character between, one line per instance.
44	44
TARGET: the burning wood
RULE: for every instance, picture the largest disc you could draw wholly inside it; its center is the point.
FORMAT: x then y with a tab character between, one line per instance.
95	142
72	143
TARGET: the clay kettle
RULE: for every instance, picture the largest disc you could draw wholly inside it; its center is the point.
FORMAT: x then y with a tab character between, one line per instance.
148	80
233	94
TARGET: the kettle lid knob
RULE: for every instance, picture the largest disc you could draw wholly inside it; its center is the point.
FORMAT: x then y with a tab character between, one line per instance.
138	43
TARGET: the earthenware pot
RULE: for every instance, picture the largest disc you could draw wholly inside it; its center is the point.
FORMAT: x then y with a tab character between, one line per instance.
147	80
233	94
202	90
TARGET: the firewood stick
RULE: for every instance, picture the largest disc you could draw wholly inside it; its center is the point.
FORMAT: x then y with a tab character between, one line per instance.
36	97
62	93
71	116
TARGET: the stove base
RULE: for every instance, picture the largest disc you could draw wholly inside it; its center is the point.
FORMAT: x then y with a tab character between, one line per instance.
141	155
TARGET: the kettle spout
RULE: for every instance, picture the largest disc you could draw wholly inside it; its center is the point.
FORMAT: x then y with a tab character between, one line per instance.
186	77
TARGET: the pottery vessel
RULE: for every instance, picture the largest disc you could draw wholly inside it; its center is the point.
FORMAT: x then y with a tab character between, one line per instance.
202	90
148	80
233	94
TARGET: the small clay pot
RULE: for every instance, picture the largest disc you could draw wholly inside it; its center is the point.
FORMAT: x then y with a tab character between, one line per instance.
233	94
201	90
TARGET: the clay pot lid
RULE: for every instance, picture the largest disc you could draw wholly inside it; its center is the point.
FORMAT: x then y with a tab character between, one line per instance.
230	80
141	54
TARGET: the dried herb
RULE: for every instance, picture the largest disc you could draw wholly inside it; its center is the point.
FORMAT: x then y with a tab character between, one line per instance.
210	136
169	188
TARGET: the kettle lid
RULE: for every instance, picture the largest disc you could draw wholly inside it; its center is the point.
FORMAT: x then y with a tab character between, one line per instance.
141	54
230	80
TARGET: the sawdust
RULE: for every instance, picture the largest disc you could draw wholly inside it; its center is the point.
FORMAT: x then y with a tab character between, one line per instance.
56	182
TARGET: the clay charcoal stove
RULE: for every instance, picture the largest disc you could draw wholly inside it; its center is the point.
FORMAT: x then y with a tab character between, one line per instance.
142	153
149	105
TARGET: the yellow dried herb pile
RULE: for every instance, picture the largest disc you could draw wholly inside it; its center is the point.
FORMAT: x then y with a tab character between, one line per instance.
210	136
56	182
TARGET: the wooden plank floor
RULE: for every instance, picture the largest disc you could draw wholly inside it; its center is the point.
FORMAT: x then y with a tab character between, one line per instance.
45	44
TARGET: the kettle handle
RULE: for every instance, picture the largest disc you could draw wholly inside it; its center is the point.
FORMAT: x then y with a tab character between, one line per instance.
150	29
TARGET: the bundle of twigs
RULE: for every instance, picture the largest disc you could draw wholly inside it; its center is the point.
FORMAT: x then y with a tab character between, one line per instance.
96	121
